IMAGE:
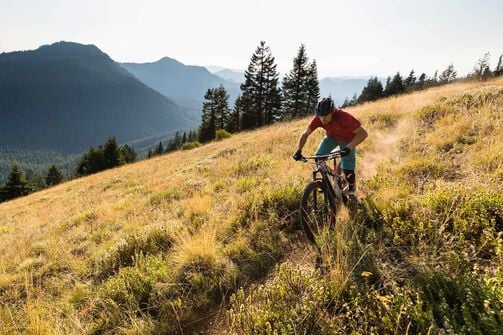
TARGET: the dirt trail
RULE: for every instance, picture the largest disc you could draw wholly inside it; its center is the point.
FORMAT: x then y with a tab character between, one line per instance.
384	145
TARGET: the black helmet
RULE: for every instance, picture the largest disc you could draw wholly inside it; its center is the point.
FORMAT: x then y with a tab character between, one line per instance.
324	107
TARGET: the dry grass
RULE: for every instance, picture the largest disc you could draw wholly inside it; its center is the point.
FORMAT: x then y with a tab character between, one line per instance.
49	240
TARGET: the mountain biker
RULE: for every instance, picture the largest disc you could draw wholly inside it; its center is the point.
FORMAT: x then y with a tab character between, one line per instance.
341	129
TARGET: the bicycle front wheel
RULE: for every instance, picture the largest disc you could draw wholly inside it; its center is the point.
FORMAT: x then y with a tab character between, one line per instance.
315	210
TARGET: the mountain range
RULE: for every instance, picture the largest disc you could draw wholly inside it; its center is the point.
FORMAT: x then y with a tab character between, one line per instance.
186	85
68	96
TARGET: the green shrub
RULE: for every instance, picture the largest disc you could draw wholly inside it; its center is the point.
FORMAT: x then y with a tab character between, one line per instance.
191	145
247	183
418	171
251	165
462	305
222	134
165	196
381	121
477	99
367	310
258	250
126	295
427	116
197	288
123	253
294	301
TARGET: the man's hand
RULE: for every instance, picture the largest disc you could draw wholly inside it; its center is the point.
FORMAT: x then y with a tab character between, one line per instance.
298	155
345	151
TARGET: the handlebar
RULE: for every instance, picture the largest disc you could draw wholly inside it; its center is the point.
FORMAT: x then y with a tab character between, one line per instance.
336	153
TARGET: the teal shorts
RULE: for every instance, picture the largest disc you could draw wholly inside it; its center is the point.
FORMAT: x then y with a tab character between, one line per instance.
329	143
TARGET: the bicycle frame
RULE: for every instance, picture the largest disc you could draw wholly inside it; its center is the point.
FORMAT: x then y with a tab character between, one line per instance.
332	184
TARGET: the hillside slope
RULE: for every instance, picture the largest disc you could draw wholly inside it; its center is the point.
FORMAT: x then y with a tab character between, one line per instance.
162	245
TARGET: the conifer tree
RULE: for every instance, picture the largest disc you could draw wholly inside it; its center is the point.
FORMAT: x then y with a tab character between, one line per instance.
111	154
208	117
54	176
410	81
261	97
354	100
16	185
91	162
372	91
421	81
128	154
295	87
235	119
498	71
396	85
313	88
178	140
184	138
345	103
481	66
222	111
448	75
159	150
386	92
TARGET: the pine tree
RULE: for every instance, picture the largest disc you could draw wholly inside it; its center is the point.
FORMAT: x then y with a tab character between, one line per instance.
208	118
448	75
111	153
498	71
128	154
159	150
235	120
313	88
386	92
345	103
178	140
410	81
34	180
16	185
91	162
54	176
295	87
354	100
222	111
480	67
395	86
261	97
372	91
184	138
421	81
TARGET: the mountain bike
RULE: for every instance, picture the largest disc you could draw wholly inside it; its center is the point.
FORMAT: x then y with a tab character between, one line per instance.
324	196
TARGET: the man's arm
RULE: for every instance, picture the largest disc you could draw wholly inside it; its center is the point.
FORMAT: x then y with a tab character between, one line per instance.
303	138
360	136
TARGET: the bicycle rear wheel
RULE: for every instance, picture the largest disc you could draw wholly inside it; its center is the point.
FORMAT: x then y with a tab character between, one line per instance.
316	213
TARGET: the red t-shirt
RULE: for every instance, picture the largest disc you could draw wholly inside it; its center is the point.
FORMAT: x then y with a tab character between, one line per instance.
341	128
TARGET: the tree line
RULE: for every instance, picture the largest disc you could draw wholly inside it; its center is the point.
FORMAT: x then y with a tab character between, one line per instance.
105	156
375	90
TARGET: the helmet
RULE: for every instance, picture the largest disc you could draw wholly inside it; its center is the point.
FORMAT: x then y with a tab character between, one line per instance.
324	107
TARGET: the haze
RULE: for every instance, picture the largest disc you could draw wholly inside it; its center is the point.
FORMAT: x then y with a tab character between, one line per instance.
346	38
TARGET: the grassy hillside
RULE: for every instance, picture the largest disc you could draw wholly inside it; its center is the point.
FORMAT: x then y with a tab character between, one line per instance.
208	240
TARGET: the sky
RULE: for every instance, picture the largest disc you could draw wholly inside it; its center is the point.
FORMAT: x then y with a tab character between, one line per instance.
347	38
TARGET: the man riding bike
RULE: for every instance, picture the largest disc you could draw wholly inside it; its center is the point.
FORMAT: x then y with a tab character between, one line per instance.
341	129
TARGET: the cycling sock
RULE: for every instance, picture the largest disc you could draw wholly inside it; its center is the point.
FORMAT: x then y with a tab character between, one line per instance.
351	178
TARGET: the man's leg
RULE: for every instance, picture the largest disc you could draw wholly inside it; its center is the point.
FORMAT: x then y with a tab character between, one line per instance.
348	165
327	144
